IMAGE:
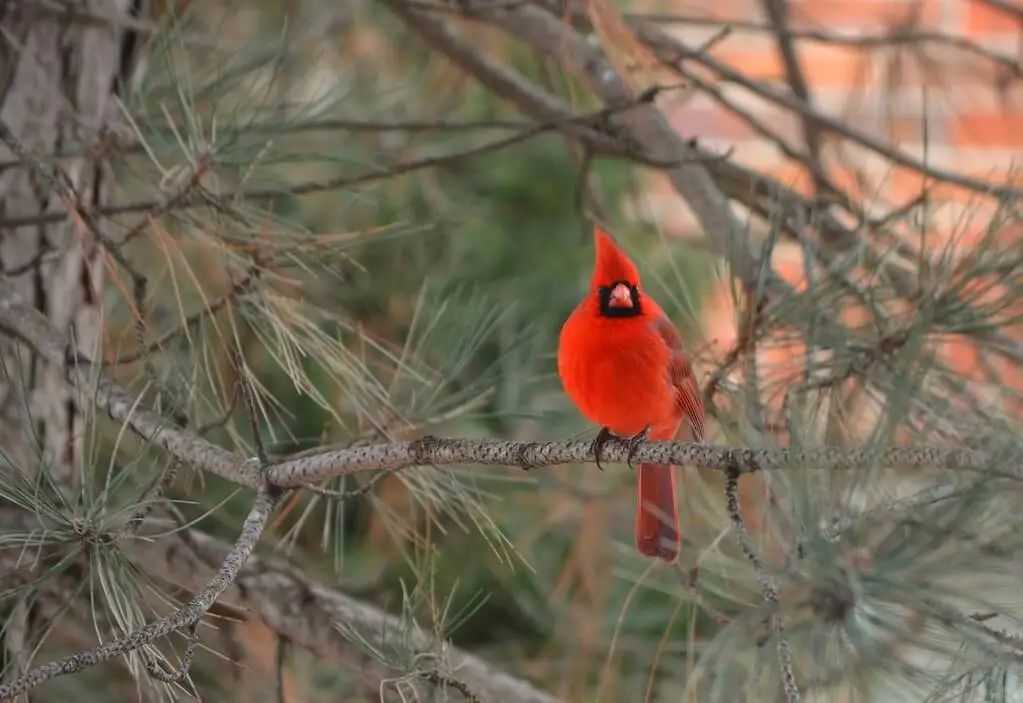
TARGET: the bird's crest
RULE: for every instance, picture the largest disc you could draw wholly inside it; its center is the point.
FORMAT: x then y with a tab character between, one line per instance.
611	264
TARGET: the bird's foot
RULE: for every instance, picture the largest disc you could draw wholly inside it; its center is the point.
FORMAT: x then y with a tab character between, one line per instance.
523	455
598	444
634	442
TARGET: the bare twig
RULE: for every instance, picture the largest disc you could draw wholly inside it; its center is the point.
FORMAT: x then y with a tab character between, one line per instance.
190	199
748	195
236	289
161	207
767	586
645	126
899	35
156	670
548	36
778	12
186	616
132	145
352	493
444	681
280	660
673	51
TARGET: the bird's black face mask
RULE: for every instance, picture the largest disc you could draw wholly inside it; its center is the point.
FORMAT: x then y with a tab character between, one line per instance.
620	299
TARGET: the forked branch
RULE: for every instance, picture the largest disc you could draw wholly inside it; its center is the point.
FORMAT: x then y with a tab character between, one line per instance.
186	616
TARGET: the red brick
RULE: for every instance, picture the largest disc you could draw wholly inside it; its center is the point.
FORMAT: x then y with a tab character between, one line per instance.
709	122
828	66
760	62
791	174
989	130
866	14
824	66
905	184
858	184
981	18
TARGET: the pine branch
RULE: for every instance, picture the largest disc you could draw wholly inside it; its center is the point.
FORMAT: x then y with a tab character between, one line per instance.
23	322
767	587
645	127
191	195
181	672
132	145
307	613
237	289
529	455
185	616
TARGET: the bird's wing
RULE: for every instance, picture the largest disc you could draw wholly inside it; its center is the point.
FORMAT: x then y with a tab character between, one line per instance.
680	371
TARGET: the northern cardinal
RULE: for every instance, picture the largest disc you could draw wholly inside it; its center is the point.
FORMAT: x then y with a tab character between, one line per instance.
621	362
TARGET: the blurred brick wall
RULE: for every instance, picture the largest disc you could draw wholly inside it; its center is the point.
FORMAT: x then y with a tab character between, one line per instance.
971	104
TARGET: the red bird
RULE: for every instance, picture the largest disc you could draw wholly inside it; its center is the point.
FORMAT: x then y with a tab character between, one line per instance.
621	362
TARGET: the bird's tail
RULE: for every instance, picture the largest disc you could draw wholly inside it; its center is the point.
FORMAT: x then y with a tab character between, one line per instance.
657	527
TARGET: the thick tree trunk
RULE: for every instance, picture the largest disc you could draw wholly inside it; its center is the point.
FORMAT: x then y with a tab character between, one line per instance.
58	81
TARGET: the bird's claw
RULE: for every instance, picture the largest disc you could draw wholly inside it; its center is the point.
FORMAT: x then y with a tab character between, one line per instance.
521	455
634	442
598	444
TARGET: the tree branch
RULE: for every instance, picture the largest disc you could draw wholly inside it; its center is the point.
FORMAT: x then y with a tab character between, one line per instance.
24	322
185	616
307	613
895	36
191	195
236	289
673	50
778	12
502	80
528	455
767	587
132	145
645	126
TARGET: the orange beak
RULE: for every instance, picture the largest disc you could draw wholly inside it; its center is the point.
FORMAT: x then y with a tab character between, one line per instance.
621	297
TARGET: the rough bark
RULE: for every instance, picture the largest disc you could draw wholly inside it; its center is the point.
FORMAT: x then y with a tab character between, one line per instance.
58	81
